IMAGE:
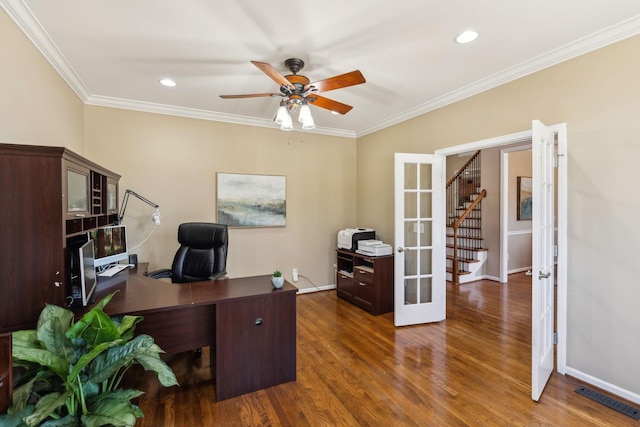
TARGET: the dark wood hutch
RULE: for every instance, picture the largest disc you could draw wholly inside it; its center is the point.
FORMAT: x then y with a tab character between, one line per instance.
49	198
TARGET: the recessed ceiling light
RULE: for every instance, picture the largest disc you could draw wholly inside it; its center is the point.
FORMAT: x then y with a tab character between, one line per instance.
167	82
467	37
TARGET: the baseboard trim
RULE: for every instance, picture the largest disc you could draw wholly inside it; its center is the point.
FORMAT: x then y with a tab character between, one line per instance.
604	385
315	289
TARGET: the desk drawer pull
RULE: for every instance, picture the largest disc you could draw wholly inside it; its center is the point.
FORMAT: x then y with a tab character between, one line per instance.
362	284
259	321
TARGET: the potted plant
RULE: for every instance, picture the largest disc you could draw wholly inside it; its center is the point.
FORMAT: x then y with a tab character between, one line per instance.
72	371
277	280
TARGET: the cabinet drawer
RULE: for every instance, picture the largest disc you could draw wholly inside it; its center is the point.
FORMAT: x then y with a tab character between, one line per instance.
345	284
363	274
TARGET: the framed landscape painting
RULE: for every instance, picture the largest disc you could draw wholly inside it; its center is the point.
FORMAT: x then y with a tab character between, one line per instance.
245	200
525	208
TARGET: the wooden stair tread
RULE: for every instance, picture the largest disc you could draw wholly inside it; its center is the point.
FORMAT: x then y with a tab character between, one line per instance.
467	248
460	272
465	237
467	260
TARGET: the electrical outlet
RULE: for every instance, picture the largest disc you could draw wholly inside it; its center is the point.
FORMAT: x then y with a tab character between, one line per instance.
294	274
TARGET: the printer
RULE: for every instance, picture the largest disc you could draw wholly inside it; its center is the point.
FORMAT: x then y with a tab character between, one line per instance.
349	237
373	248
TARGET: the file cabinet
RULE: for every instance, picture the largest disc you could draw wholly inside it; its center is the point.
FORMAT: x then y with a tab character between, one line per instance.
366	281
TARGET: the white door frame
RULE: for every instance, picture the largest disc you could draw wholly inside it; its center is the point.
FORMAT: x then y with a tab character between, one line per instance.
521	137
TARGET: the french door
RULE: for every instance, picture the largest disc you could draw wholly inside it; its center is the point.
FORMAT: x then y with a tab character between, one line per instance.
419	273
543	257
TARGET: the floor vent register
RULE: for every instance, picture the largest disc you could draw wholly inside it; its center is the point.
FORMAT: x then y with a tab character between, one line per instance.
612	403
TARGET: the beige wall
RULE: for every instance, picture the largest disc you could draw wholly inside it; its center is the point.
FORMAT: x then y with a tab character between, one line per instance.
519	232
173	161
37	107
598	95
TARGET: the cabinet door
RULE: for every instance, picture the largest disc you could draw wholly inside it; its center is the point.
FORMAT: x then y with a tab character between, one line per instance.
77	185
32	262
255	343
112	196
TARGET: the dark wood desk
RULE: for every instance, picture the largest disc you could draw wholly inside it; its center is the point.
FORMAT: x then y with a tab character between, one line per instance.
249	325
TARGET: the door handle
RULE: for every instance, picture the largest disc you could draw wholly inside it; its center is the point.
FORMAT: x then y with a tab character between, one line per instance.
401	249
542	275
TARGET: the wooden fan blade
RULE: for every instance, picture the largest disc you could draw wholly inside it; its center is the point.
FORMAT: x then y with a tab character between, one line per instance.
250	95
343	80
273	73
329	104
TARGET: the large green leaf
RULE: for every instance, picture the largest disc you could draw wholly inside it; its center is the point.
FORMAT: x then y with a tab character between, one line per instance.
53	311
121	394
87	358
45	407
25	338
51	336
95	327
42	357
115	412
109	362
152	362
126	326
78	328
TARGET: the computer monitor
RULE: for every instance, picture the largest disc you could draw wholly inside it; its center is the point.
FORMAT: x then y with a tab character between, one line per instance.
87	266
110	244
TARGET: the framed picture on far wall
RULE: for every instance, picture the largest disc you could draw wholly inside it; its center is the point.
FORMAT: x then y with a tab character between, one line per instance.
245	200
525	208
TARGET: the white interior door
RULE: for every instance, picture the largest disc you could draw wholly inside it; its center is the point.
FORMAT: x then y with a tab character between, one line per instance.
542	280
419	277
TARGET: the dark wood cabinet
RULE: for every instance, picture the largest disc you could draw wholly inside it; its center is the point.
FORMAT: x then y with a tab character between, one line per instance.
258	344
46	199
366	281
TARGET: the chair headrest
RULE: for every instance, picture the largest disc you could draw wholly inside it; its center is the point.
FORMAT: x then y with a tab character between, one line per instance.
202	235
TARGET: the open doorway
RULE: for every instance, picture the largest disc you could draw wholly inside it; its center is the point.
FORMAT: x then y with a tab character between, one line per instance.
523	138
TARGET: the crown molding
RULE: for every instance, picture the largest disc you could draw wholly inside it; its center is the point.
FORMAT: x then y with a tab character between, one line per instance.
149	107
602	38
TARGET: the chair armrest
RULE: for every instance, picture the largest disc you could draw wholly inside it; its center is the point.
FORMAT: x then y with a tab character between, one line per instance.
220	275
164	273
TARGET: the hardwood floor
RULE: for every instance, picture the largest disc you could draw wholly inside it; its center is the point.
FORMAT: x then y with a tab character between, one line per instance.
355	369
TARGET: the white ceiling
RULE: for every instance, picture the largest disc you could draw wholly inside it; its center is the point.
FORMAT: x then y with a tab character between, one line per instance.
113	52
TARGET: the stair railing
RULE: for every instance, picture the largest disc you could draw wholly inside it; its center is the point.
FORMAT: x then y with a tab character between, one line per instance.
461	188
455	271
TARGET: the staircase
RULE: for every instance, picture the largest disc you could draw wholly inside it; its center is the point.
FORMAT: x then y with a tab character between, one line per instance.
466	255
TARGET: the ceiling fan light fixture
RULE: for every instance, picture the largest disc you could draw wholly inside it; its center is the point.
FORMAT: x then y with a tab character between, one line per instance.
287	123
282	113
305	113
466	37
309	124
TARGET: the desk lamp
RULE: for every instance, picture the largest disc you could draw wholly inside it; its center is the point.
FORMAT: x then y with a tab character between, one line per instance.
155	217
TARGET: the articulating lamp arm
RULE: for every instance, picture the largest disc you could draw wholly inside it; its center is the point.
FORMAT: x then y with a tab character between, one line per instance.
125	200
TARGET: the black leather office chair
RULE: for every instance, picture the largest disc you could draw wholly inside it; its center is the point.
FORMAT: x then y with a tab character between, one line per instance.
202	254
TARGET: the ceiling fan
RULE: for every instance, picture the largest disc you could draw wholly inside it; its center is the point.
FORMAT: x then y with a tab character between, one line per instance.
297	90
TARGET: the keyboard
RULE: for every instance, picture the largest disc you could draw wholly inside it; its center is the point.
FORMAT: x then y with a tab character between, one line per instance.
114	269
